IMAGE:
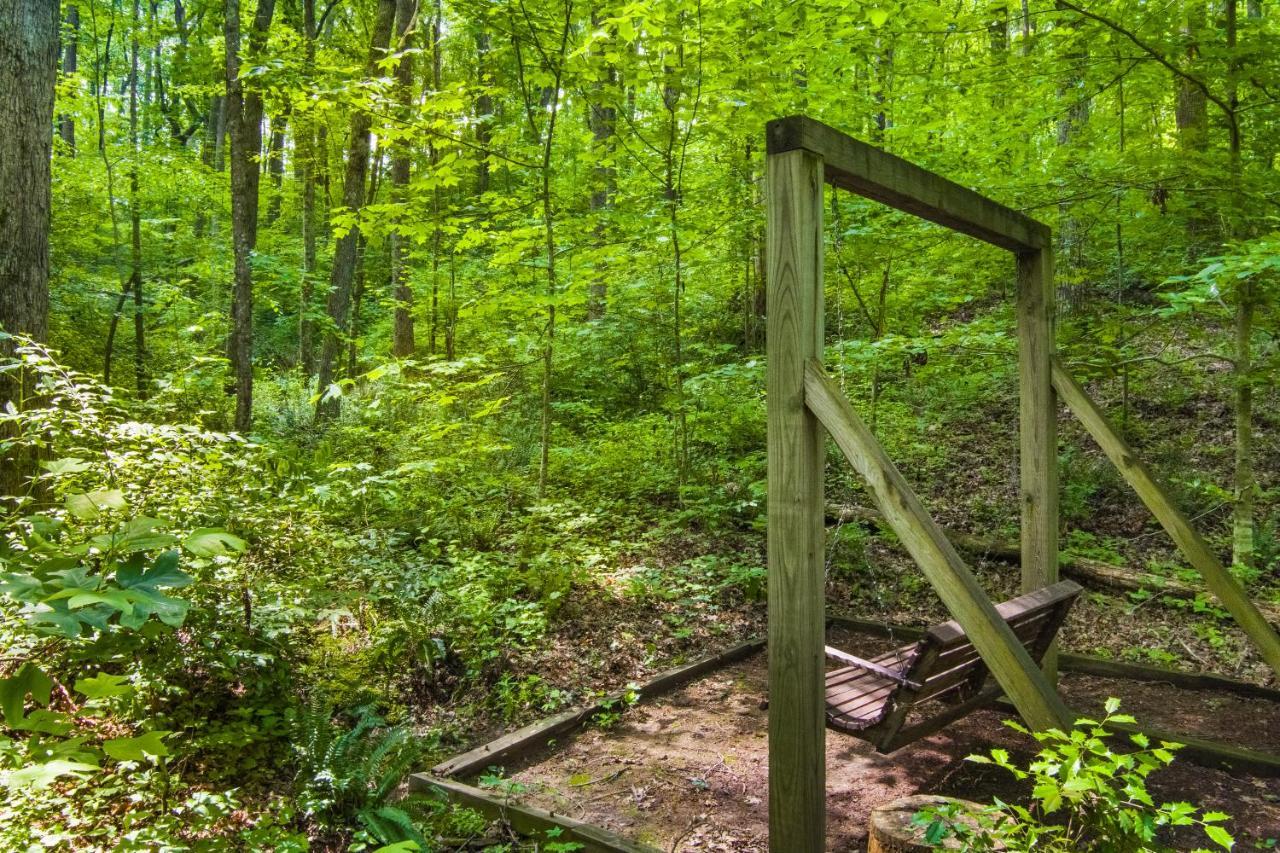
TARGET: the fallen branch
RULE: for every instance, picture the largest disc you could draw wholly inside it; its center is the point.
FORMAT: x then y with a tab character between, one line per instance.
1095	573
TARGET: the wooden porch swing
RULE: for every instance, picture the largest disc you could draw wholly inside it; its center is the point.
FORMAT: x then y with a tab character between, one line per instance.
873	699
988	649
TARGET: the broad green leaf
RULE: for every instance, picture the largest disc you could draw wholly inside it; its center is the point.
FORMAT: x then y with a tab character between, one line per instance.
936	831
31	681
58	621
209	542
104	686
19	586
137	748
90	505
47	722
114	598
164	573
878	17
42	775
70	465
1219	836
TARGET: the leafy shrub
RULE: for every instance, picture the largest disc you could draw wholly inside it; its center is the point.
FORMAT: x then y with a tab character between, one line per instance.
1086	796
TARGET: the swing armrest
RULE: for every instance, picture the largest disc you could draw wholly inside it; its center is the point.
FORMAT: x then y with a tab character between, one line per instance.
870	666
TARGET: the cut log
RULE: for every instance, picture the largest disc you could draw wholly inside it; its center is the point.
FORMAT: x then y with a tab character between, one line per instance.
1094	573
892	828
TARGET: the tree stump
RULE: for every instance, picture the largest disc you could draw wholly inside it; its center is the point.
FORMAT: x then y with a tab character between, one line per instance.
890	829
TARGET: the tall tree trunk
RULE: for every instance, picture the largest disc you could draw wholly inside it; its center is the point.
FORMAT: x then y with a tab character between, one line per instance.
358	289
215	124
1073	117
70	50
602	117
451	315
1026	28
344	257
135	214
483	112
275	166
549	105
308	153
28	77
101	72
753	296
1191	117
437	234
402	343
244	113
1246	482
673	188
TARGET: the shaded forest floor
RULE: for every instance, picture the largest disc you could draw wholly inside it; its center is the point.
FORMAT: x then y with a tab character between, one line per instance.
689	771
611	635
690	768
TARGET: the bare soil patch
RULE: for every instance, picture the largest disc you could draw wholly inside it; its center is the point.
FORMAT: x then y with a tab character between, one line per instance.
690	771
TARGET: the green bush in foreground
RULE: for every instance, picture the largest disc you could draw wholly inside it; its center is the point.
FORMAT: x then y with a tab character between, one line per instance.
1086	796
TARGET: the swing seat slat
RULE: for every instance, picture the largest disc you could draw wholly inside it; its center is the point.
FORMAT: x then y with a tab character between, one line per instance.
872	699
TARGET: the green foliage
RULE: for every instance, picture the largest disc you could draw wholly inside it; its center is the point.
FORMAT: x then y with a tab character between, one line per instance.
349	774
1086	794
597	294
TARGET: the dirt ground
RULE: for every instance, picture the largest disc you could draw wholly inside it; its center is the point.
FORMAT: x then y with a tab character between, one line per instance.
689	771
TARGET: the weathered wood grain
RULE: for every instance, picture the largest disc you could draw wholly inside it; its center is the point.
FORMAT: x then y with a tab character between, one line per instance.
1220	581
1038	425
527	820
955	584
797	735
863	169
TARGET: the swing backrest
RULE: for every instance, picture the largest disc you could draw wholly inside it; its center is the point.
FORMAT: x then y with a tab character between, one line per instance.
944	666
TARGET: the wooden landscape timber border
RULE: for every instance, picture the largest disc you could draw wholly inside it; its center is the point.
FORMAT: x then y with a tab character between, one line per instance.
802	156
528	820
536	735
444	778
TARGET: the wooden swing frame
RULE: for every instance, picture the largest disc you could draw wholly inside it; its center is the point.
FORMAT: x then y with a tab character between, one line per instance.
802	156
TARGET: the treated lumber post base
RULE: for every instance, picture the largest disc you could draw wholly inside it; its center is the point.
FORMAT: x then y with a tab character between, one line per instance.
891	829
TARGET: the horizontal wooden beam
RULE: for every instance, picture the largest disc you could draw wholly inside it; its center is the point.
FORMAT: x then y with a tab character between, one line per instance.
535	735
866	170
528	820
1224	585
954	582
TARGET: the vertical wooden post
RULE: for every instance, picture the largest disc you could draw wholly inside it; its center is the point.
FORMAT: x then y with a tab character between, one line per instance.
1038	427
797	696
